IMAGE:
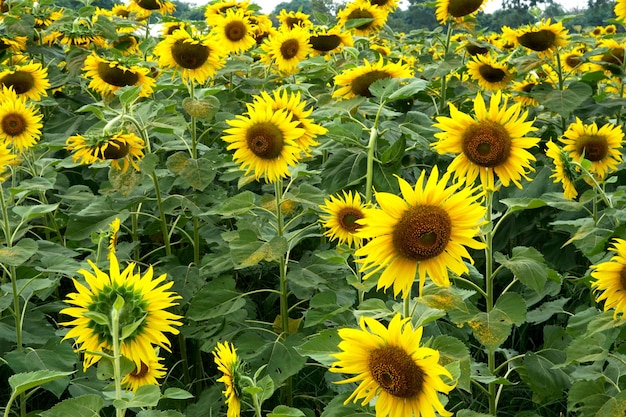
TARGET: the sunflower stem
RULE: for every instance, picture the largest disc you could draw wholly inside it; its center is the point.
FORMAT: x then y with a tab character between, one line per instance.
489	299
164	231
406	304
444	78
117	366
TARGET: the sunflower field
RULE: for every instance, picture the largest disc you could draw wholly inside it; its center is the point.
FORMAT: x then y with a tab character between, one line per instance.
310	216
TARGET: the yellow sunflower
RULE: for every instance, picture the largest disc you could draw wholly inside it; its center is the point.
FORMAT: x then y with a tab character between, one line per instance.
126	148
13	44
30	80
544	38
492	143
390	366
149	6
389	6
228	364
353	12
264	142
292	102
287	48
523	89
427	231
109	76
488	73
291	19
610	30
612	59
147	373
602	146
218	9
609	283
457	9
563	172
169	28
326	41
620	9
597	32
7	159
340	218
20	123
233	32
145	301
196	57
114	229
356	81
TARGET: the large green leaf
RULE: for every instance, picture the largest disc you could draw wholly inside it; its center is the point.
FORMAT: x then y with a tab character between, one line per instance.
218	298
19	253
527	265
284	411
24	381
452	349
545	378
83	406
614	407
585	398
563	102
321	346
283	360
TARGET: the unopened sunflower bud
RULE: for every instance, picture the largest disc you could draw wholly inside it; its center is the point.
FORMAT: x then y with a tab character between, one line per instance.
203	108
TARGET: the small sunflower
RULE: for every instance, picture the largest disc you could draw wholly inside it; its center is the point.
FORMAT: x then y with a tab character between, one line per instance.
20	123
492	143
149	6
264	142
13	44
610	30
427	231
196	57
169	28
30	80
144	374
563	172
7	159
340	218
290	19
523	89
356	81
287	48
390	366
457	9
233	32
389	6
602	146
544	38
109	76
620	9
609	280
612	59
126	148
228	364
597	32
488	73
145	301
375	17
326	41
114	229
216	10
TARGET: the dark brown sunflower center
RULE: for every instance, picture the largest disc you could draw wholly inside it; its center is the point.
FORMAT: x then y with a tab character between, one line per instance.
189	55
292	22
347	219
4	45
460	8
594	147
235	31
13	124
540	40
116	149
422	233
265	140
396	372
474	50
21	81
289	48
491	74
325	43
597	31
573	61
116	76
622	279
487	144
361	84
172	29
609	30
362	14
614	56
141	372
149	4
527	88
379	2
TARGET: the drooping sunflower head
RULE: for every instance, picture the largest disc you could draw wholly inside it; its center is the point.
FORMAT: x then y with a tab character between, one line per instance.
147	373
493	143
457	9
544	38
290	19
564	171
20	122
120	148
490	74
341	213
612	59
356	81
374	17
29	80
12	44
287	48
228	363
81	33
109	76
327	41
389	364
609	280
600	145
145	301
158	6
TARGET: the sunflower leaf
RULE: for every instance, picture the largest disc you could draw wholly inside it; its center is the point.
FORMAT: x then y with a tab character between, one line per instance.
85	405
130	329
355	23
19	253
99	318
22	382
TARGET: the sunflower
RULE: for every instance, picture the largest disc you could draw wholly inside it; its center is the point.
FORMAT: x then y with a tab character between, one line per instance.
13	44
375	16
287	48
491	143
612	59
620	9
228	364
149	6
296	107
196	57
610	30
524	88
81	33
426	231
20	123
389	6
114	229
457	9
216	10
544	38
563	172
144	302
233	32
601	146
326	41
30	80
291	19
124	147
7	159
609	282
264	142
390	366
340	218
109	76
356	81
597	32
488	73
144	374
168	28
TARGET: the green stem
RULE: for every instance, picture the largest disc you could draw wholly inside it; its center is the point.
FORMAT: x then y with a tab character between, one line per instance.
164	231
489	291
444	78
371	152
117	365
406	304
8	236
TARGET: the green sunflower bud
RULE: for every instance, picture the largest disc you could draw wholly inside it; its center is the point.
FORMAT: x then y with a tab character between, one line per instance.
204	108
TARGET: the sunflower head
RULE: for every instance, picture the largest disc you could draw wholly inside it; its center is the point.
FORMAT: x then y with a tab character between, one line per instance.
147	373
20	122
544	38
564	170
490	74
609	280
341	218
228	363
109	76
457	9
368	17
29	80
119	148
355	82
291	19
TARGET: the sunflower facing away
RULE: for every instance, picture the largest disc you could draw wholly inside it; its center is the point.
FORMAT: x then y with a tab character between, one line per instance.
20	123
145	300
30	80
490	74
362	9
126	148
340	218
286	48
228	364
145	374
392	368
609	279
109	76
233	32
426	231
564	171
544	38
492	143
356	81
457	9
264	141
601	146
